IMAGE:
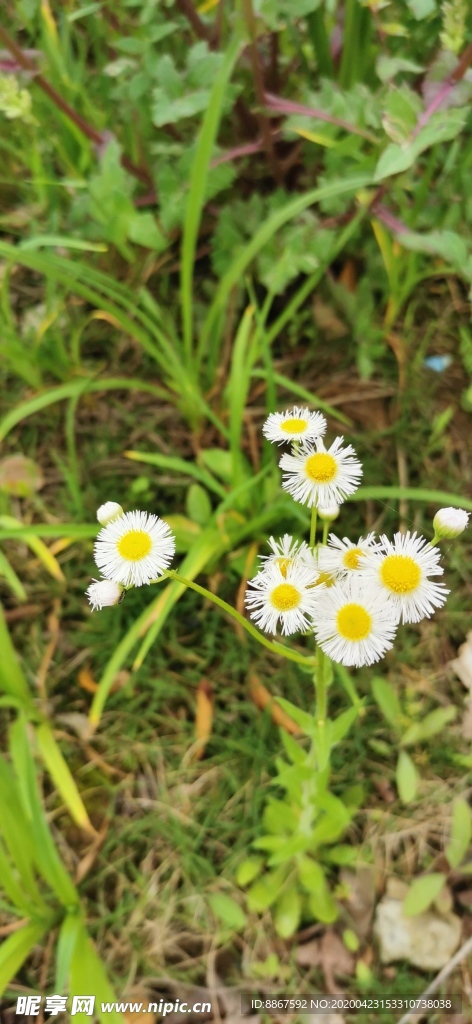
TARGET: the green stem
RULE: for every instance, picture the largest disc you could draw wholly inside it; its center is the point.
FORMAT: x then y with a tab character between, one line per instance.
314	516
435	540
326	525
321	699
276	648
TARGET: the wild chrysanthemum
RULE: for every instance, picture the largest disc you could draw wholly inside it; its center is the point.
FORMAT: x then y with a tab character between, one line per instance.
134	549
319	476
108	512
342	557
401	570
294	425
449	523
104	593
354	622
287	552
289	600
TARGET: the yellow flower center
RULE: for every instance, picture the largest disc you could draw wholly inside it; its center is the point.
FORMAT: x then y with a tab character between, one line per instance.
293	425
134	545
353	622
327	578
283	564
285	597
321	468
400	573
352	557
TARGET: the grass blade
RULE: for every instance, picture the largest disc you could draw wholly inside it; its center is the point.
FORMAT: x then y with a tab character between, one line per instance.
61	776
11	578
196	193
87	975
12	680
178	466
441	498
17	947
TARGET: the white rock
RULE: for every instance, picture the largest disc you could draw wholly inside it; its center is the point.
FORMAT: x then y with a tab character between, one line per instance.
427	941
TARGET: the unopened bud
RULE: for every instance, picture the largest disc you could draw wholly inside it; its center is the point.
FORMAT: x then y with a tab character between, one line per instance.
108	512
450	522
104	593
329	513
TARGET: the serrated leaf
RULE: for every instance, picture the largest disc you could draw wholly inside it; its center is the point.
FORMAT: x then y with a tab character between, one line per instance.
387	701
407	778
442	127
422	893
227	911
461	833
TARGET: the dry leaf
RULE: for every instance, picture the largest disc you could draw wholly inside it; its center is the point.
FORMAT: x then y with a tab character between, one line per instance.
20	476
78	722
361	899
466	728
462	665
262	699
330	953
203	718
327	320
86	680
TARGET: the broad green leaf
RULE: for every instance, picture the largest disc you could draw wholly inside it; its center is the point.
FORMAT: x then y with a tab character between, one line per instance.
442	126
422	892
227	911
287	912
264	892
294	751
279	817
302	718
61	776
429	726
198	505
449	245
341	854
87	976
220	463
290	848
248	870
311	875
387	700
461	833
342	724
407	778
17	947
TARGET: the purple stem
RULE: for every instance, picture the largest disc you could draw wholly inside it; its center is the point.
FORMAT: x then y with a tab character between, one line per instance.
277	103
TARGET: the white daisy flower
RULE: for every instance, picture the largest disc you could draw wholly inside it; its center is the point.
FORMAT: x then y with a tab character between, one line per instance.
355	623
108	512
287	552
401	569
104	594
290	599
450	522
294	425
342	557
134	549
319	476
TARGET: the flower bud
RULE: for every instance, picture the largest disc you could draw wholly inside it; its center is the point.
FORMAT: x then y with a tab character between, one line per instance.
450	522
104	593
108	512
329	513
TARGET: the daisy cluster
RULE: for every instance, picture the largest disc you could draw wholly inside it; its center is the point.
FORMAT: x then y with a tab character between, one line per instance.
131	550
352	595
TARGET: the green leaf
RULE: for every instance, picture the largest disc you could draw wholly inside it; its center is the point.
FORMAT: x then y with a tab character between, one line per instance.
219	462
302	718
442	126
287	912
429	726
422	892
407	778
17	947
341	854
387	700
61	776
294	751
68	935
227	911
323	907
198	504
449	245
248	870
12	680
438	498
143	230
265	891
342	724
177	465
461	833
88	975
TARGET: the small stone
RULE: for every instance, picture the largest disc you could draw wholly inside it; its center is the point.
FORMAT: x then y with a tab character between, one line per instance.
427	941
